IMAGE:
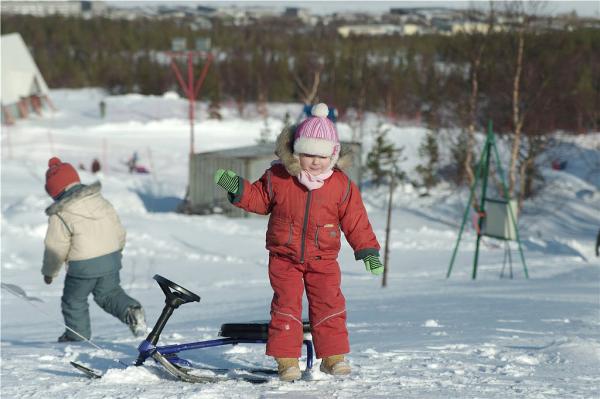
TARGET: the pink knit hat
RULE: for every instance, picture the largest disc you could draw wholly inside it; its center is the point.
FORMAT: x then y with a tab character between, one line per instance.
317	135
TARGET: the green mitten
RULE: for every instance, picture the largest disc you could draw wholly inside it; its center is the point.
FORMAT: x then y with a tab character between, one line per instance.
373	264
228	180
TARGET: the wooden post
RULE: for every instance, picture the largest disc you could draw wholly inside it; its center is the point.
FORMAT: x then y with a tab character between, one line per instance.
386	255
192	100
105	155
51	142
8	117
8	142
152	169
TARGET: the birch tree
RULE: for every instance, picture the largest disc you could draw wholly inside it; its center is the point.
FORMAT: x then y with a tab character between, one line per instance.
478	42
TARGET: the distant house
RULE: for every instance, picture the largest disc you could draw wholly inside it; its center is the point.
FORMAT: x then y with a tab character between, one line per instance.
48	7
369	30
206	11
41	8
250	162
24	89
470	27
295	12
409	29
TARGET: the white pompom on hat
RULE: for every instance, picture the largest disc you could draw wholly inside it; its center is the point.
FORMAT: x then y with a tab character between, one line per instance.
321	110
317	135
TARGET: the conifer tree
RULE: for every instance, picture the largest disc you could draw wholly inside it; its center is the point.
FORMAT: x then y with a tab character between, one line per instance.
383	156
430	152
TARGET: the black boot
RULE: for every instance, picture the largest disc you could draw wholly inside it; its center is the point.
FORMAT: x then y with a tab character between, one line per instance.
67	338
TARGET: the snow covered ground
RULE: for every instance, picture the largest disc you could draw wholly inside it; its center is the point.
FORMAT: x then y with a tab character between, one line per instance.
424	336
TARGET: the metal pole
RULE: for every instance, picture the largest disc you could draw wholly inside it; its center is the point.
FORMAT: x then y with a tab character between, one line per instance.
507	198
482	202
462	226
200	80
387	233
179	76
510	260
191	96
503	261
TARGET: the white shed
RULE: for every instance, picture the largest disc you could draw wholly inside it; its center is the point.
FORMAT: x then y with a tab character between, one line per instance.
24	89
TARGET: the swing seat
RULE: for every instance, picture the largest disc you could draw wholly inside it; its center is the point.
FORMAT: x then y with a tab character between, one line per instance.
498	222
257	330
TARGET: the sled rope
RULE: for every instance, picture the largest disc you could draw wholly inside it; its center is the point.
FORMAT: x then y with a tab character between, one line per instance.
9	288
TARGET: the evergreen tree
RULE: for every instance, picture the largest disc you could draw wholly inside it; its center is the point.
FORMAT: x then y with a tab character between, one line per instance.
383	157
393	74
265	133
287	120
458	151
430	152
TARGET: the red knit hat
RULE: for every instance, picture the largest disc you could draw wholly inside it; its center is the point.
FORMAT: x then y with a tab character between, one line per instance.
58	176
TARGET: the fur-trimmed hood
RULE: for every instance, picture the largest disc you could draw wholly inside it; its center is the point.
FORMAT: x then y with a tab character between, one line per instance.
63	203
284	149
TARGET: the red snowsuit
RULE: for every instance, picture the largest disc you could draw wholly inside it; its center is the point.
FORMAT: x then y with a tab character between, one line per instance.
303	239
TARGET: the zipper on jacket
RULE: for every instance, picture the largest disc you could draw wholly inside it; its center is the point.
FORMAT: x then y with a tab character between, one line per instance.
290	233
304	226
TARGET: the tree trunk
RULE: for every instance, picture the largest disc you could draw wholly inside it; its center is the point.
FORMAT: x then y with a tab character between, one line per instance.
386	257
472	118
389	103
261	105
528	170
309	94
479	47
517	117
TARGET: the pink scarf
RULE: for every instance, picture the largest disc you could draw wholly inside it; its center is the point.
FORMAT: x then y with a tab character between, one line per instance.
313	182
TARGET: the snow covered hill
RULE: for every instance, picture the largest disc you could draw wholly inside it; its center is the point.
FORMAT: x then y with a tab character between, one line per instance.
424	336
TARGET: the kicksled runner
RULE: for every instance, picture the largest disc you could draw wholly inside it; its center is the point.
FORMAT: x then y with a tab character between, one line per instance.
231	333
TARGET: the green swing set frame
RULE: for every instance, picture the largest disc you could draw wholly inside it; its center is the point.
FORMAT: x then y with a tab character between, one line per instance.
482	174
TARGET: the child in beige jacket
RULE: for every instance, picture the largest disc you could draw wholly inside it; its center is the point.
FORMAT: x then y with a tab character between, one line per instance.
85	232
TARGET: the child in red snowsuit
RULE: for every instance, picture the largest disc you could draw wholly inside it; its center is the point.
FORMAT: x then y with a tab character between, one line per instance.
310	199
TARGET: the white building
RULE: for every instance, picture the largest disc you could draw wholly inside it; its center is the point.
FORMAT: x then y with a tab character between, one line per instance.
68	8
470	27
369	30
24	89
412	29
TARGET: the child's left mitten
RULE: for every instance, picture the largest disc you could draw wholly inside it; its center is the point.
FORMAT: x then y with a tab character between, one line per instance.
228	180
373	264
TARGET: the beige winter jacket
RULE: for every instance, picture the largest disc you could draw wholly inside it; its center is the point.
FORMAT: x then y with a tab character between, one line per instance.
81	226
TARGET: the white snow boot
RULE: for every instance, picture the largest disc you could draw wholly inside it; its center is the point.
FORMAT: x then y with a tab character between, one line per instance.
335	365
136	321
288	369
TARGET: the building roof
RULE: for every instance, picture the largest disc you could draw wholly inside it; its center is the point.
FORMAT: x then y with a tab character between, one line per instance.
20	75
252	151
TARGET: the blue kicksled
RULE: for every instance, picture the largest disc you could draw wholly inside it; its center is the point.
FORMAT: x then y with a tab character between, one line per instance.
232	334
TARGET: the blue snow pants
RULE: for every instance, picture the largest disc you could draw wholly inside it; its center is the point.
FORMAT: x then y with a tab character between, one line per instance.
100	277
